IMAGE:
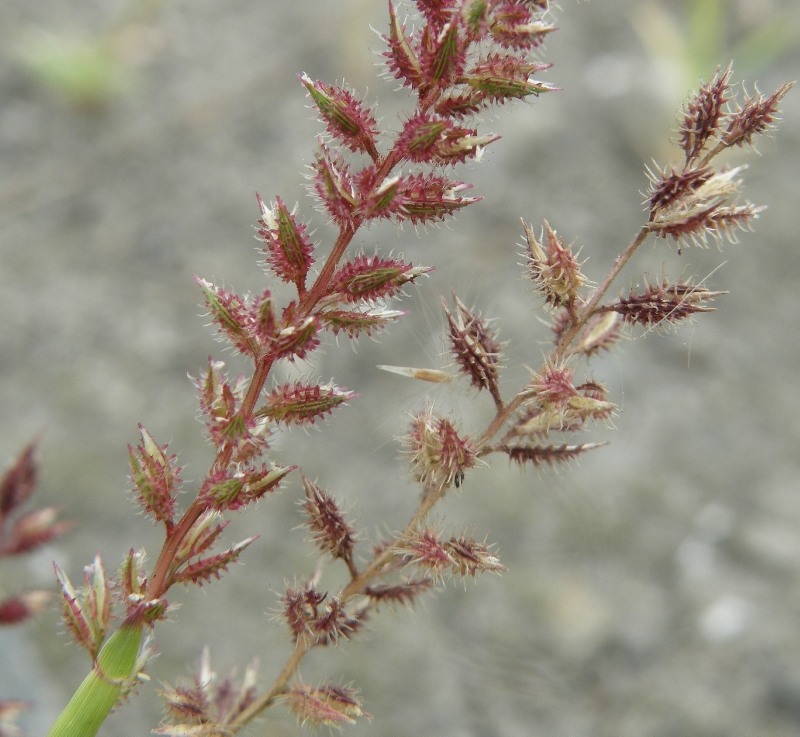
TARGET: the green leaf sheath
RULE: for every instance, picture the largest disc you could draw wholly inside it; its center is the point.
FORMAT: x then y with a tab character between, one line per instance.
100	690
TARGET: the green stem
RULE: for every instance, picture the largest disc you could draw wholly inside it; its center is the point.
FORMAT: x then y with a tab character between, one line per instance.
101	689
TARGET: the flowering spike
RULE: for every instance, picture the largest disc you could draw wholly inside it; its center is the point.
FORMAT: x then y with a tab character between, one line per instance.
329	529
345	117
301	404
288	248
371	278
475	347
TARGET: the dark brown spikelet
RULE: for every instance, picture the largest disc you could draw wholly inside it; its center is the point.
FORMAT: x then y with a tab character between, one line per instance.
757	115
701	116
550	455
402	593
665	302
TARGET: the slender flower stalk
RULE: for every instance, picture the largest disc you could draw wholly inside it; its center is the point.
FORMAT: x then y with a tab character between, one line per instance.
459	59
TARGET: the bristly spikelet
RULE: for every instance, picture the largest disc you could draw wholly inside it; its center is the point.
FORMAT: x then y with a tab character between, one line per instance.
286	243
668	302
757	115
552	267
329	529
702	114
475	348
438	455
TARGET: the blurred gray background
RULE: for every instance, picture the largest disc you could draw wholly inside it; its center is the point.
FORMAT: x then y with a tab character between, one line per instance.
652	591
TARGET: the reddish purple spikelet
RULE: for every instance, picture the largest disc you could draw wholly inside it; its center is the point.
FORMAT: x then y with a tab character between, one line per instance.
439	456
471	557
427	551
401	59
19	607
32	530
333	183
514	26
475	348
358	322
232	315
301	404
19	481
200	570
500	78
329	529
553	387
345	116
373	278
426	138
219	405
286	243
430	198
296	336
156	478
443	58
231	490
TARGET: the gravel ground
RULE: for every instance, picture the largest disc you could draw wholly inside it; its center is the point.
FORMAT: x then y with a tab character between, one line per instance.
652	591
